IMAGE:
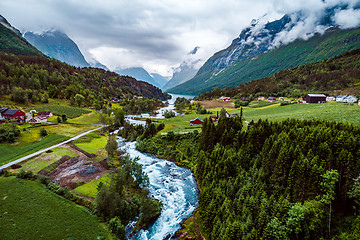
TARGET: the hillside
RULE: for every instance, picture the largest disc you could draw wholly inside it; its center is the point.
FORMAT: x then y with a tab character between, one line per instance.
11	42
38	75
320	47
57	45
338	75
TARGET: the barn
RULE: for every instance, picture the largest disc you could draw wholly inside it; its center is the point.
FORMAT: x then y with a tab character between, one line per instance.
315	98
196	121
11	113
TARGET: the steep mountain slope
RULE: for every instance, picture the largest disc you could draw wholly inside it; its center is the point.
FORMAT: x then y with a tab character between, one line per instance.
11	41
140	74
187	70
338	75
57	45
333	42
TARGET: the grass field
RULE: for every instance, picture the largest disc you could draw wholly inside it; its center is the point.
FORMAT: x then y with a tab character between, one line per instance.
338	112
88	118
29	211
90	189
45	159
92	143
70	112
11	152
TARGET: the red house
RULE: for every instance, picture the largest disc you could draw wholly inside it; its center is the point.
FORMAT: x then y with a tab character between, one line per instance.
271	99
196	121
226	99
11	113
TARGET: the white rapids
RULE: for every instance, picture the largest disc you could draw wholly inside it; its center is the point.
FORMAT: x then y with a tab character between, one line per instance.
174	186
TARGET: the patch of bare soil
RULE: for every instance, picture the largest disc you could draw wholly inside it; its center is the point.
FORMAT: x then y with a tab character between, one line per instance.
78	170
216	104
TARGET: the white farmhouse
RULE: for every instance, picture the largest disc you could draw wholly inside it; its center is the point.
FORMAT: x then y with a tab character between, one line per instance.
340	98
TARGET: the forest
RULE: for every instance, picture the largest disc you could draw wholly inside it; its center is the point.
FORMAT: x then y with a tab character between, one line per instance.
296	179
31	78
339	74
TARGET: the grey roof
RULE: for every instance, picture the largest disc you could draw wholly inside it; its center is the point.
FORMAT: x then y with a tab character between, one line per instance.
3	109
10	111
316	95
341	96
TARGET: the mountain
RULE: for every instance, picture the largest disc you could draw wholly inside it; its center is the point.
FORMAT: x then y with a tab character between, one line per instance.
334	76
263	49
57	45
141	74
95	64
161	80
187	70
11	41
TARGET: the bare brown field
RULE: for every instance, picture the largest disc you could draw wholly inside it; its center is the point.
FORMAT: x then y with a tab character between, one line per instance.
216	104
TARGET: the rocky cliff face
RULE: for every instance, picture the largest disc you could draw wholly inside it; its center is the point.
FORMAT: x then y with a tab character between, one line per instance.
6	24
57	45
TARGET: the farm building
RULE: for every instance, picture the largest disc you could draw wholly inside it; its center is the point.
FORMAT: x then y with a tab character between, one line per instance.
271	99
11	113
226	99
340	98
315	98
350	99
330	99
196	121
45	114
261	98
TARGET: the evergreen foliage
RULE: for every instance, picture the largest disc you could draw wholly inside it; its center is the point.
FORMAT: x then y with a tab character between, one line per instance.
83	86
273	180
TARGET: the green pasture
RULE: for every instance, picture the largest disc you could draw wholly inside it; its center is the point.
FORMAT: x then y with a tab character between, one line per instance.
338	112
92	143
90	189
10	152
30	211
43	160
87	118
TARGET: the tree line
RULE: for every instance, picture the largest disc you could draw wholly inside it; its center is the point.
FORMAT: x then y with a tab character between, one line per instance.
31	78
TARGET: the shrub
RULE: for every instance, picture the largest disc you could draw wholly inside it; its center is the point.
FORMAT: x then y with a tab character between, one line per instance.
43	132
117	228
241	103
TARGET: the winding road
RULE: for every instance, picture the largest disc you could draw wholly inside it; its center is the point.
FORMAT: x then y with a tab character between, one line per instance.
46	149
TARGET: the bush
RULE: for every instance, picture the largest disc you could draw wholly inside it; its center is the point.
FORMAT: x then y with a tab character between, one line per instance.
117	228
23	174
43	132
241	103
169	114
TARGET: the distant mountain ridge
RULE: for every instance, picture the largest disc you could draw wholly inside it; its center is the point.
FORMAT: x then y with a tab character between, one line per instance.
141	74
186	71
58	45
276	42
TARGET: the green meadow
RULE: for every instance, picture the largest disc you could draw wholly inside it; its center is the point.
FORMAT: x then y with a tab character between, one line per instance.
338	112
10	152
30	211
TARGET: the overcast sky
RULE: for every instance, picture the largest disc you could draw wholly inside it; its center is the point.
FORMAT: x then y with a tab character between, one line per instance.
154	34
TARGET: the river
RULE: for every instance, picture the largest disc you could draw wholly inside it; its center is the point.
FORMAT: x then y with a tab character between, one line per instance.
174	186
160	112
